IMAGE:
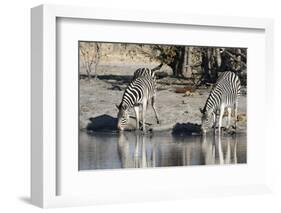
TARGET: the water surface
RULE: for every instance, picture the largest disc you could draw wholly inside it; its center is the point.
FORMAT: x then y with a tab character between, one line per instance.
134	150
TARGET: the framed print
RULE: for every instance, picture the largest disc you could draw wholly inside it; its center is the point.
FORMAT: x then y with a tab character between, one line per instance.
130	106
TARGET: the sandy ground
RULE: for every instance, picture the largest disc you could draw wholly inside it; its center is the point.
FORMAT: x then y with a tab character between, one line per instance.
98	97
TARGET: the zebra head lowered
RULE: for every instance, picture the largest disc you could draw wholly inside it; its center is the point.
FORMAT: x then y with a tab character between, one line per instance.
122	117
224	95
207	120
138	94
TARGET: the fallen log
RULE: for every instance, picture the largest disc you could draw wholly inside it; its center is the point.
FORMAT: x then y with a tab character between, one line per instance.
184	89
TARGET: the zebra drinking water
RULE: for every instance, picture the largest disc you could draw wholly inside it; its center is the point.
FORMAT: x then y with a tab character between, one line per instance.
139	92
135	98
224	94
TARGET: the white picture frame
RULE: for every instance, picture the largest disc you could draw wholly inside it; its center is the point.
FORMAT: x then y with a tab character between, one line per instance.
44	149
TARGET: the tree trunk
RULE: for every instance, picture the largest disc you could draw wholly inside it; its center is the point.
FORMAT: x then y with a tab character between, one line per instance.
95	71
214	64
189	61
218	58
184	66
205	65
177	62
88	70
239	61
89	76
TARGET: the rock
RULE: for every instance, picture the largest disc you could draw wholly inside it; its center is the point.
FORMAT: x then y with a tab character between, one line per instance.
161	74
111	81
116	87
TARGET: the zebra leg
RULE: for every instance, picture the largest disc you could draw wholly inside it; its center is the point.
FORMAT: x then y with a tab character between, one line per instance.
228	117
214	120
141	118
154	109
143	114
220	118
136	109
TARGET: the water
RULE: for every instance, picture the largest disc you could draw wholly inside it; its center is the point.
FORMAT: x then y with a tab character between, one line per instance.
134	150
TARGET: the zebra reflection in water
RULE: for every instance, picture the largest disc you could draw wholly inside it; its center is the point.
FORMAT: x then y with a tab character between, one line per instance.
140	151
215	153
138	155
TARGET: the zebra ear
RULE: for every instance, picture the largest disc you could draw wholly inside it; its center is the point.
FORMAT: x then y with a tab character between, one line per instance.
201	110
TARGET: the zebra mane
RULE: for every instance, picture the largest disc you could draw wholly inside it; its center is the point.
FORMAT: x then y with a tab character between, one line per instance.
122	106
209	99
227	83
204	109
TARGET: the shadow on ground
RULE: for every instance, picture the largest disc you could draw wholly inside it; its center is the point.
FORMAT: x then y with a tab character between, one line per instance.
184	129
118	82
102	123
107	123
120	79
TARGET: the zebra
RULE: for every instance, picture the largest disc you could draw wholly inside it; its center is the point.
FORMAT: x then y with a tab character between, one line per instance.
139	92
224	94
143	72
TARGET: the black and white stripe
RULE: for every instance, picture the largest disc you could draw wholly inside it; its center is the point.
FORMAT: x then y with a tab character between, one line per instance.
146	72
139	92
224	94
143	72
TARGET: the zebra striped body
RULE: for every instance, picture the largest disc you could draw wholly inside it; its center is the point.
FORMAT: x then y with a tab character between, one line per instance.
147	72
139	92
144	72
224	94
